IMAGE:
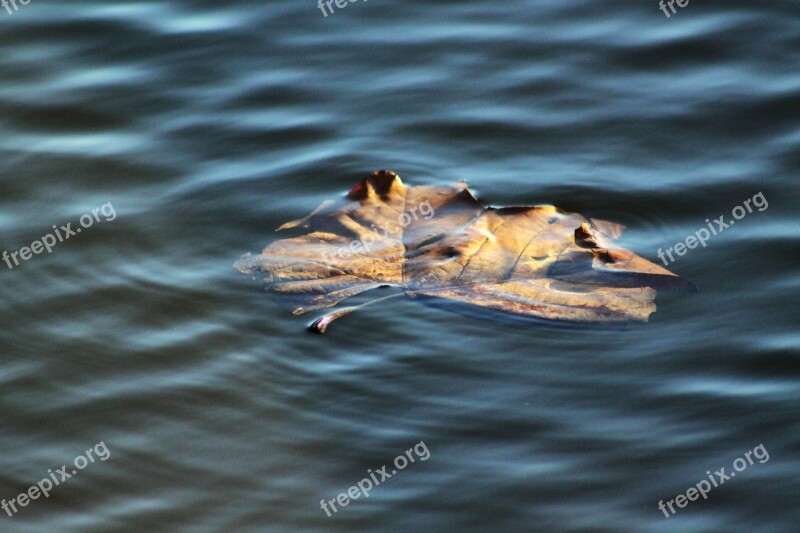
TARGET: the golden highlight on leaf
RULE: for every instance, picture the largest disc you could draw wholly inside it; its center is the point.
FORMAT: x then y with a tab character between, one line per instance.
440	242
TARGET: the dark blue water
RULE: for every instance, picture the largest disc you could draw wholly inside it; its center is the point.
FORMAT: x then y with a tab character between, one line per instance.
206	125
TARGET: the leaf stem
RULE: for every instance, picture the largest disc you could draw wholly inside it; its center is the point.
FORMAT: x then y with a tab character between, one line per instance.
321	324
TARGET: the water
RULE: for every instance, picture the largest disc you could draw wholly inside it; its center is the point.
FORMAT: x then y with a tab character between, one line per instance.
206	125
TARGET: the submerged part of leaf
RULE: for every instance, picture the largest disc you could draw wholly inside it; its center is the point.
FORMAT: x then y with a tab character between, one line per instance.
531	260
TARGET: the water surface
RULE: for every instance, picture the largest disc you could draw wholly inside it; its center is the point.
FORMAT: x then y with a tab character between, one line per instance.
208	124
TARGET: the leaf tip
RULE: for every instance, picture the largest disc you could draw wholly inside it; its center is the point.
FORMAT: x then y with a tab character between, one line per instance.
380	182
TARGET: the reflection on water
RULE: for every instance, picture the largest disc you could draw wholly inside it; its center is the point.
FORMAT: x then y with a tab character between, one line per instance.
206	126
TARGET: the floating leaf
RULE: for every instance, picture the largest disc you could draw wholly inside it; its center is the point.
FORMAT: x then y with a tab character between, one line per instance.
439	241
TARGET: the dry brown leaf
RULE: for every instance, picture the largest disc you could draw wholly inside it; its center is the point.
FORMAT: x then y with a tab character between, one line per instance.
535	261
